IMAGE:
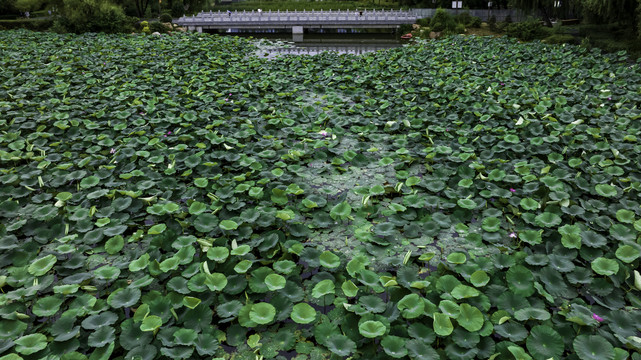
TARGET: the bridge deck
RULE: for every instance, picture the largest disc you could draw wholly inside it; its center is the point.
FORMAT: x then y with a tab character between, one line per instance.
291	19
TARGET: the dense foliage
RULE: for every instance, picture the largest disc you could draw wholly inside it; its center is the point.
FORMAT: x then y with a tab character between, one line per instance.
177	197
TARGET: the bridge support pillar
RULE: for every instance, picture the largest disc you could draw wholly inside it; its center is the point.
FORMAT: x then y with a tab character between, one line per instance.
199	29
297	30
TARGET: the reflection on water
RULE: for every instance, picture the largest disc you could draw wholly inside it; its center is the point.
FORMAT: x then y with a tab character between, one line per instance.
343	41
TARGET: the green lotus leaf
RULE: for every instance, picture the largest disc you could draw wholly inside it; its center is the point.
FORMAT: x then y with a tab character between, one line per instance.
243	266
101	336
603	266
419	350
197	208
151	323
442	324
108	273
89	182
30	344
479	278
520	280
228	225
216	281
240	250
625	216
349	288
463	292
191	302
139	264
627	253
341	211
275	282
593	347
185	337
284	266
114	244
42	265
606	190
218	253
394	346
124	297
470	318
47	306
157	229
531	237
547	219
411	306
329	260
456	258
303	313
371	303
229	309
205	222
262	313
467	203
531	314
491	224
544	343
529	204
340	345
323	288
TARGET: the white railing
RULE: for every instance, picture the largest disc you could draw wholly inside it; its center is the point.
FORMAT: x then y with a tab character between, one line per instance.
266	18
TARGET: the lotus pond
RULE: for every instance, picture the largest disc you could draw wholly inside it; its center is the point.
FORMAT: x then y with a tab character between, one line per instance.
177	197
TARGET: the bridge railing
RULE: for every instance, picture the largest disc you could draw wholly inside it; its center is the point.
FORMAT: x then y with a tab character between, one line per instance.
301	17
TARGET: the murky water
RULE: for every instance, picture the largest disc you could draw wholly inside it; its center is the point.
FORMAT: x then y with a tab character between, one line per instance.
344	41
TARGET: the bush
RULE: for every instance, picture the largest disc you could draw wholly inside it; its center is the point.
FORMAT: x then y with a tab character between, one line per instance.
165	18
560	39
475	22
79	16
459	29
177	9
530	29
424	22
29	24
491	22
442	21
156	26
463	18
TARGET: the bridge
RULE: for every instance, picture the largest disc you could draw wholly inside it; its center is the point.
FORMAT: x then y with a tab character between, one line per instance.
297	21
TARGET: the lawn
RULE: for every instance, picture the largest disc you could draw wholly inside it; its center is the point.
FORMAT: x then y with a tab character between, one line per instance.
178	197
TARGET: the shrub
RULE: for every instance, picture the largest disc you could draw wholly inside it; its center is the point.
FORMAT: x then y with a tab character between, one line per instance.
463	18
156	26
404	28
177	9
459	29
29	24
527	30
475	22
79	16
442	21
424	22
560	39
491	22
165	18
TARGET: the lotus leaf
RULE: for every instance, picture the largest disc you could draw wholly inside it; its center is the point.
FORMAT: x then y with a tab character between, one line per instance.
303	313
262	313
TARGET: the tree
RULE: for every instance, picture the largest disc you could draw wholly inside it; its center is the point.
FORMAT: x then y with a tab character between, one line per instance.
547	8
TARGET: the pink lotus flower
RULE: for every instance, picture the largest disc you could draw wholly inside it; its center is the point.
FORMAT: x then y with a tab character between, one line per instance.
512	190
324	133
112	151
512	234
597	317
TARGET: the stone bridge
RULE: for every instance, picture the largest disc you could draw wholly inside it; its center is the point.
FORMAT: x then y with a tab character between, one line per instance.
297	21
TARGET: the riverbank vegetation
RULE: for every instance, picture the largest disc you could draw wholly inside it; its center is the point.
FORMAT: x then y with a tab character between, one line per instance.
178	197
